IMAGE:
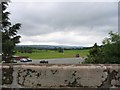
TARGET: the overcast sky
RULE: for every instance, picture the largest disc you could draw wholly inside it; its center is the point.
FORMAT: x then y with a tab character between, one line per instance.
64	23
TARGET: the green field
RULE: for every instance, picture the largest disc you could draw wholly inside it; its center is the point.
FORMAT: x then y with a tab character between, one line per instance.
43	54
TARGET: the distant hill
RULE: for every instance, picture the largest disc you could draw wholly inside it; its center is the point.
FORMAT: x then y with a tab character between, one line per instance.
51	46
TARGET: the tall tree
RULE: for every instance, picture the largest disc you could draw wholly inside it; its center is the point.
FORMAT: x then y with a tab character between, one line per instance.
109	53
9	34
95	55
112	48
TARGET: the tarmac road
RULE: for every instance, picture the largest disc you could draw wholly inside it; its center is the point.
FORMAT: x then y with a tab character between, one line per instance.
57	61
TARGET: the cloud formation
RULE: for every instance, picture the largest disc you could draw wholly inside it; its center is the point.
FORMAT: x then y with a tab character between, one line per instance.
64	23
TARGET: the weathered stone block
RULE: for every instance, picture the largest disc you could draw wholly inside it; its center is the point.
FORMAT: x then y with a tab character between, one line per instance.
80	76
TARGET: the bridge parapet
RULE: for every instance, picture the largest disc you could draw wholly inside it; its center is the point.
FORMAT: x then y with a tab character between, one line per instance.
54	76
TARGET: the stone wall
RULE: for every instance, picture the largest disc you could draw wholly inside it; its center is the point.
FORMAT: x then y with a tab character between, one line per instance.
53	76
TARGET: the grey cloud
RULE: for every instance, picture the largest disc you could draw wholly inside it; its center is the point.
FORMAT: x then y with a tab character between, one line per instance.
46	18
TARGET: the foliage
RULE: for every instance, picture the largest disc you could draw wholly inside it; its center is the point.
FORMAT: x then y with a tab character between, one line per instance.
60	50
24	49
9	34
95	55
108	53
111	48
